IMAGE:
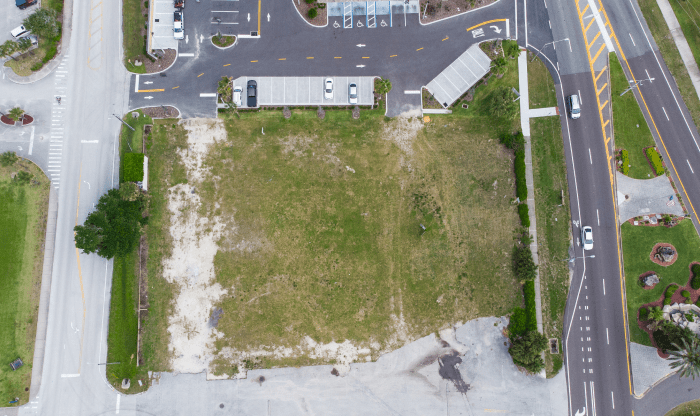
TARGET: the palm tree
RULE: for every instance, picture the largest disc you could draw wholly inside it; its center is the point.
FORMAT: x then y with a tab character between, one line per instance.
686	360
656	314
17	114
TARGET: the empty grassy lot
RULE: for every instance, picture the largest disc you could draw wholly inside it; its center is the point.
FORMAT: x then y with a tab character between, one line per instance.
672	58
552	208
23	211
637	243
631	130
686	409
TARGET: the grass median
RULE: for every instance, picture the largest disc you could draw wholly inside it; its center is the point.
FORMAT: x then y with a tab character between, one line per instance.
631	130
552	208
637	243
23	212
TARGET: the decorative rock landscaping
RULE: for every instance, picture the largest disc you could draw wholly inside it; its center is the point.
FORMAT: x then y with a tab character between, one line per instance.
649	280
663	254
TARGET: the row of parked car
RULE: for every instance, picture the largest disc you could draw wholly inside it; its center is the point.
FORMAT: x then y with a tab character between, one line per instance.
252	90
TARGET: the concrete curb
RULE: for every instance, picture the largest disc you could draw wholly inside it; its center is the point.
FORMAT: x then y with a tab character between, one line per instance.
56	61
681	43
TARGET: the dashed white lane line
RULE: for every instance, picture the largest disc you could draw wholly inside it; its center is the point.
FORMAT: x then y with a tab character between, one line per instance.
603	287
119	397
607	335
635	45
579	98
691	168
69	375
589	155
89	141
597	214
667	119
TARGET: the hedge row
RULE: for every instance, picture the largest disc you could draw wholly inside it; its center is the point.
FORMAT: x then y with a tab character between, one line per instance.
655	160
625	162
669	294
524	320
523	212
133	167
520	183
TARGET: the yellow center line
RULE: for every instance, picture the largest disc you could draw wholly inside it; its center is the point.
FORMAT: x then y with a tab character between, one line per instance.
599	51
365	57
176	87
594	39
612	191
418	49
227	64
338	57
309	57
282	59
393	56
486	22
602	88
156	90
259	6
200	75
253	61
446	37
600	73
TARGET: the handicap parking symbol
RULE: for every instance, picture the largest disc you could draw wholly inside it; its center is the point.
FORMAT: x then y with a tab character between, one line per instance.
359	23
336	24
383	23
478	33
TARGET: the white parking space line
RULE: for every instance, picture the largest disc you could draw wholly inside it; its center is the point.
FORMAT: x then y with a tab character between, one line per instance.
208	94
136	86
186	55
411	92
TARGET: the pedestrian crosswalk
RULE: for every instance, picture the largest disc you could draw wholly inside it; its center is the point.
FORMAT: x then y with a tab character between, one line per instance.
57	132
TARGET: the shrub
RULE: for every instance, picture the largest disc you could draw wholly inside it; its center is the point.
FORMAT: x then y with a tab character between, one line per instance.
520	180
518	323
133	167
37	66
695	282
322	5
510	48
22	177
502	103
50	53
526	351
313	13
524	266
643	313
685	294
530	305
43	23
8	158
625	161
382	86
513	141
655	160
310	1
668	334
523	212
671	290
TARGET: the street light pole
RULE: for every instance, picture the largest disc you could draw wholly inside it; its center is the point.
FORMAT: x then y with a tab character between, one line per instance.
552	43
573	259
636	84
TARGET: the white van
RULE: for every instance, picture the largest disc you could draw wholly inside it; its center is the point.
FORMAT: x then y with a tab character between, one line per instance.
19	31
574	106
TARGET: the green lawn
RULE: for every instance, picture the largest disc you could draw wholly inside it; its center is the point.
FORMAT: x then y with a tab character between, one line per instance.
133	24
631	130
540	85
23	211
686	409
552	207
672	58
637	243
688	14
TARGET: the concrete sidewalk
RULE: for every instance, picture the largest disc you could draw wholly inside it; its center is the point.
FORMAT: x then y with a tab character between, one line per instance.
681	43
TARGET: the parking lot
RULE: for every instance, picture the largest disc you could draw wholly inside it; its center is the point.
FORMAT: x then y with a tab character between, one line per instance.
307	91
13	17
360	14
162	20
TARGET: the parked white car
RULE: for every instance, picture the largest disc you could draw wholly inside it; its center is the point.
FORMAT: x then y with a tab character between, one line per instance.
19	31
328	89
237	91
178	26
352	93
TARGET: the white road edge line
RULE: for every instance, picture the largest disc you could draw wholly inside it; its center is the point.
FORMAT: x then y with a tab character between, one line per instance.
691	168
593	398
666	114
585	394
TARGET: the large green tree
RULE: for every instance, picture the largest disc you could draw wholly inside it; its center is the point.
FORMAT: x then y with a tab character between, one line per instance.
43	23
686	359
114	228
526	350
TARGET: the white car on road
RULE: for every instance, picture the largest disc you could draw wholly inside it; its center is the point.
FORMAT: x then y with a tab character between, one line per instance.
328	89
587	238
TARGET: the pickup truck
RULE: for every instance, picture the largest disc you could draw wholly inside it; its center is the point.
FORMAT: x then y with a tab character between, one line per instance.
178	26
23	4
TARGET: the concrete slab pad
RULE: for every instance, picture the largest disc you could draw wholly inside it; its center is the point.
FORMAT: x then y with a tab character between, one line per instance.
543	112
459	76
647	367
645	197
308	91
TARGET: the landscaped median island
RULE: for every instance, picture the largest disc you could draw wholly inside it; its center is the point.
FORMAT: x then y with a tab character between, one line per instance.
45	25
137	57
24	197
659	272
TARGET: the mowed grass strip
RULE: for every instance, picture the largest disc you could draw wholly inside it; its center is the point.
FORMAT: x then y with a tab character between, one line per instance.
631	130
637	243
686	409
134	29
23	212
328	240
540	84
669	51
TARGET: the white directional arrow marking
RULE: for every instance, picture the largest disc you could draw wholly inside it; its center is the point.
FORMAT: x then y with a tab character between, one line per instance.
249	17
268	17
148	98
496	29
148	82
581	413
360	66
359	45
